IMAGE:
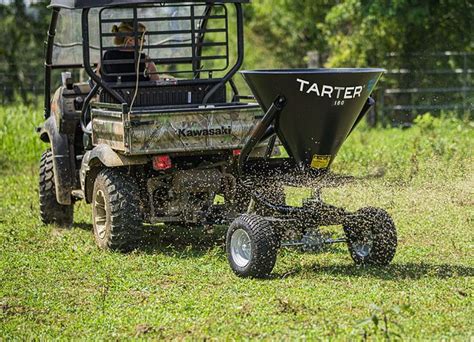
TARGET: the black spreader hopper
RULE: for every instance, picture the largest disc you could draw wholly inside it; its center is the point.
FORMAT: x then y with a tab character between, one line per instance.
312	110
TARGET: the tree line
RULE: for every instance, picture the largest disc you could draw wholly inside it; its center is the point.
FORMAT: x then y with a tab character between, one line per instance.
342	33
23	31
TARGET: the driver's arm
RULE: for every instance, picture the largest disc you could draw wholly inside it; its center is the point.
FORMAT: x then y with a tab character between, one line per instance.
152	71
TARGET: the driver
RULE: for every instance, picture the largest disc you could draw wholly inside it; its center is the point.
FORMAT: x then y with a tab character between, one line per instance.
125	42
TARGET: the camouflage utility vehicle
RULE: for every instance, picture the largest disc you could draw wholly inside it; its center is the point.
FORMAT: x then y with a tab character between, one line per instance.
157	132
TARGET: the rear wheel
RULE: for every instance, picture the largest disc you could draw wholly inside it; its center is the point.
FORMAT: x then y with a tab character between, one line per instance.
116	215
50	210
252	246
375	241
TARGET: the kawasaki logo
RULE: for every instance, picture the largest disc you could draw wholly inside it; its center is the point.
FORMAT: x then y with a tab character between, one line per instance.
183	132
341	93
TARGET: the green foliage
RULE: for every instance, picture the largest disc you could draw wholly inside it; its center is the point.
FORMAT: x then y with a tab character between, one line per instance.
433	145
19	145
361	33
289	29
23	31
384	322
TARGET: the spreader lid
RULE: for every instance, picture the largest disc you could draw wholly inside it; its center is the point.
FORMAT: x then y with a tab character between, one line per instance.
322	107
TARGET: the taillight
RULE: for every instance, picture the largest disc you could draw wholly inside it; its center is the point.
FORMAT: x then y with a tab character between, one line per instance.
161	163
236	153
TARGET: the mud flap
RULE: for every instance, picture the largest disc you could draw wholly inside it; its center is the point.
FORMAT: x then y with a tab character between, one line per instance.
63	171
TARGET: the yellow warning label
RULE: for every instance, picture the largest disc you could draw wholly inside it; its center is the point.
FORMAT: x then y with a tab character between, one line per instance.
320	161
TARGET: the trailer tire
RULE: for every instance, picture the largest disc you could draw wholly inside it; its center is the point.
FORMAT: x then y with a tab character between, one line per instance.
379	247
51	211
251	246
116	215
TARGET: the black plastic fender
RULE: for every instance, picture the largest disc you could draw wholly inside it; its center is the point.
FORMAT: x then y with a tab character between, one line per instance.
103	156
63	170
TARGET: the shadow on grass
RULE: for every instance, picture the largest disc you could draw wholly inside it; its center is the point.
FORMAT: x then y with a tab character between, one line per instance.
189	241
82	225
336	179
178	241
194	241
182	241
411	271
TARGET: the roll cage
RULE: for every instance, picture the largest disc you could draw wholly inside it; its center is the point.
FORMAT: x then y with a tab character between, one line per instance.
80	4
195	44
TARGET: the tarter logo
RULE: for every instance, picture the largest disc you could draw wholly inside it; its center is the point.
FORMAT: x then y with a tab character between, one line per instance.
183	132
331	92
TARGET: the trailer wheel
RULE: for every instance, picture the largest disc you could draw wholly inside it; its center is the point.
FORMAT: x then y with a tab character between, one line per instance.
251	246
51	211
373	243
116	216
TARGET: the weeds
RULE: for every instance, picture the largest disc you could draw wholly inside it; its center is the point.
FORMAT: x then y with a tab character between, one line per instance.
385	322
19	145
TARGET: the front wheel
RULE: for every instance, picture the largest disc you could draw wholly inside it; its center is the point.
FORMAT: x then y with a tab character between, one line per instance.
252	246
373	240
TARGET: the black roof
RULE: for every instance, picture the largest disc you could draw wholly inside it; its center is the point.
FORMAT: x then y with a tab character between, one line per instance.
78	4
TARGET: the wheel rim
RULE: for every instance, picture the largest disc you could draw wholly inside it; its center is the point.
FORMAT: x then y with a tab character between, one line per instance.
363	247
100	217
241	247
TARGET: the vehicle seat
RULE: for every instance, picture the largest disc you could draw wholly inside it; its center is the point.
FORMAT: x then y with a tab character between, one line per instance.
120	65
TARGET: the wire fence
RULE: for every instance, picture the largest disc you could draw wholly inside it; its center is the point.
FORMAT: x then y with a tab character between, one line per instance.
435	83
21	82
438	82
418	83
27	2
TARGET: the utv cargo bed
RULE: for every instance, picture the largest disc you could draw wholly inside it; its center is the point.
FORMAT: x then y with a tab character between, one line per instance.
174	129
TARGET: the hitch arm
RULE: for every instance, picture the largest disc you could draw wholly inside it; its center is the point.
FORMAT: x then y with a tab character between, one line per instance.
259	131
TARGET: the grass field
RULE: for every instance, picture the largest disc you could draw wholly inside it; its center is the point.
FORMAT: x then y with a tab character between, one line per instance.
56	284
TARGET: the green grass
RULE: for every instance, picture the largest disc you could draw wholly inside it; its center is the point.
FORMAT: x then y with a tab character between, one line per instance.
56	283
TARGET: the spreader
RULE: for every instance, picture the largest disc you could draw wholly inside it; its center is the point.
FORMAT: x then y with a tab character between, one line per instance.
160	134
311	112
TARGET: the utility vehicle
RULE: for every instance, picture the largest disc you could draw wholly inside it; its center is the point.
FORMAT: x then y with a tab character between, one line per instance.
186	148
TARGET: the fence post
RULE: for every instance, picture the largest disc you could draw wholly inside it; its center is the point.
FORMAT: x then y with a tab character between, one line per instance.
313	59
466	112
382	106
